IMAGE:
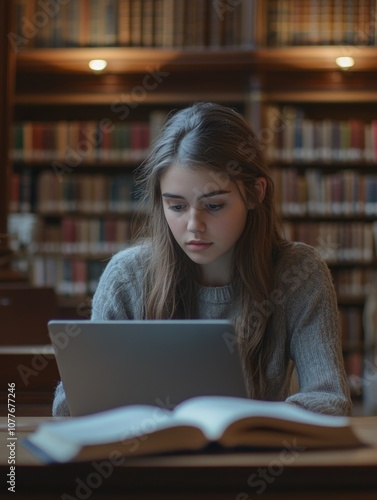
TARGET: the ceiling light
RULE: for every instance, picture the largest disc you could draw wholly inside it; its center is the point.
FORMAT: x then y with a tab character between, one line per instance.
345	62
97	64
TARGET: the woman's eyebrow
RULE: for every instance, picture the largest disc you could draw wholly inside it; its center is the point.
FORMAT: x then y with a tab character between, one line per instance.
174	196
213	193
206	195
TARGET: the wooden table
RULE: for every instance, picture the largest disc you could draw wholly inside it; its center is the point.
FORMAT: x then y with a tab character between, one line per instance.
332	474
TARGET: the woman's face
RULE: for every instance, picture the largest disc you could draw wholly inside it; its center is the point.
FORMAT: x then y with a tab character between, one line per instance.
206	216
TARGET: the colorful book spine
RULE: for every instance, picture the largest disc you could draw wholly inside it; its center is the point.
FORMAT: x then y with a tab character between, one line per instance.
321	22
84	194
337	242
137	23
316	192
71	276
72	143
302	139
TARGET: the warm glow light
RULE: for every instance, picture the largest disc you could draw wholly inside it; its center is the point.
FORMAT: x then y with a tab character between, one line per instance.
97	64
345	62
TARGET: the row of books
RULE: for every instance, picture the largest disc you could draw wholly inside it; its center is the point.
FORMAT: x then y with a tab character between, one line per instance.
337	242
355	282
312	192
293	137
321	22
315	192
46	269
48	193
85	193
76	142
81	236
135	23
69	276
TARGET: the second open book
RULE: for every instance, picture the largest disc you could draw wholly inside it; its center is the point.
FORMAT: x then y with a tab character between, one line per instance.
191	426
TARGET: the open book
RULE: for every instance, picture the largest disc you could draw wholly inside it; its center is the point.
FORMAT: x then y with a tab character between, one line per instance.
192	426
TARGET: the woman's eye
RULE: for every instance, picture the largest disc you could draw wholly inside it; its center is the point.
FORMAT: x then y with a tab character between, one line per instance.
214	206
176	208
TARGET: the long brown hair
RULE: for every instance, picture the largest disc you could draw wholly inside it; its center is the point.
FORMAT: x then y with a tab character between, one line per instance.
218	138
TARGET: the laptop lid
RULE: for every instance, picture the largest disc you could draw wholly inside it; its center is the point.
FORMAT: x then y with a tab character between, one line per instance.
114	363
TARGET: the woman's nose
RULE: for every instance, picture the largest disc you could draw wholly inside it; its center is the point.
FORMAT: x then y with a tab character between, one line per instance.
195	221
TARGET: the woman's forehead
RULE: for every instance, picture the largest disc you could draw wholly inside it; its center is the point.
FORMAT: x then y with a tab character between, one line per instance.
197	181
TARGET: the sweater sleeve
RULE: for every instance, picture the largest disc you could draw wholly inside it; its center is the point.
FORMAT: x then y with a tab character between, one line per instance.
315	342
109	299
59	405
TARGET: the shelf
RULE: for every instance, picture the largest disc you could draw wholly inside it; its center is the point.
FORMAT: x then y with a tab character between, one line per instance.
125	60
185	74
74	301
53	77
323	96
332	166
344	218
352	263
100	214
86	165
139	60
349	300
155	97
102	256
319	58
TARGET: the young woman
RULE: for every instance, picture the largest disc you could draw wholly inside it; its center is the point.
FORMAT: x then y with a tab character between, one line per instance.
211	247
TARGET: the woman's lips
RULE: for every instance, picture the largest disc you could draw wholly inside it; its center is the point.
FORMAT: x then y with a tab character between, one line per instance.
198	245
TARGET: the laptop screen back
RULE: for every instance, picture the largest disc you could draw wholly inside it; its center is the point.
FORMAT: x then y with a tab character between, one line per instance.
114	363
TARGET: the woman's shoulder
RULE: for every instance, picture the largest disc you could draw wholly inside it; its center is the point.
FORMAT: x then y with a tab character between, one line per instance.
301	270
128	261
131	254
120	286
292	249
297	255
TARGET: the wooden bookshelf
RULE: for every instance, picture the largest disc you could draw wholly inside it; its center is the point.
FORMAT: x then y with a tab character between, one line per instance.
318	58
127	60
7	68
263	71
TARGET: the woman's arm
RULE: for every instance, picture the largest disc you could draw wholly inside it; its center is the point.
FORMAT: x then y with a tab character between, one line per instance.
315	341
59	405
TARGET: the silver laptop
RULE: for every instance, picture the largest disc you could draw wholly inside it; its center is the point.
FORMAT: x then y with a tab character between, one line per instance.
108	364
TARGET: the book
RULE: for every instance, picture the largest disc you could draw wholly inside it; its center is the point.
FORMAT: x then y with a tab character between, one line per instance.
199	423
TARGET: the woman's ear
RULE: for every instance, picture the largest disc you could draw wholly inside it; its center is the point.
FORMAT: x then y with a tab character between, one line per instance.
260	187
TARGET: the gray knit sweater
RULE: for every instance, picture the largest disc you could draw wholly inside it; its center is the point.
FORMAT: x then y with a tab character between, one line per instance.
304	324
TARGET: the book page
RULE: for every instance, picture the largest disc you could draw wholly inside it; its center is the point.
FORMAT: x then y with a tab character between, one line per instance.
111	426
215	414
131	430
